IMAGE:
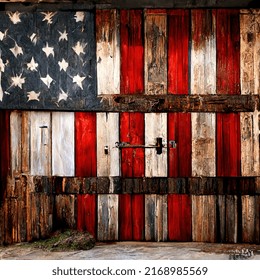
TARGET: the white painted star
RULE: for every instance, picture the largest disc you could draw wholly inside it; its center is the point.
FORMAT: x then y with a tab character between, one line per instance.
47	80
78	80
48	50
18	81
48	17
14	17
32	65
63	36
16	50
3	35
63	65
2	66
33	38
79	48
32	95
62	96
79	16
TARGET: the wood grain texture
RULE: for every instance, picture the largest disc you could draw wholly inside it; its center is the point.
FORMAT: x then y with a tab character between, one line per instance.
203	144
203	52
85	145
249	51
25	142
63	149
178	51
40	143
108	51
179	157
107	217
232	219
249	219
155	126
132	132
179	217
228	151
155	217
86	213
132	52
155	57
107	136
204	218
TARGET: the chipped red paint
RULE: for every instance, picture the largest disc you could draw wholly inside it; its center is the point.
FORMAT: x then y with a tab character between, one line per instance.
179	217
131	217
86	213
85	136
132	52
179	130
178	51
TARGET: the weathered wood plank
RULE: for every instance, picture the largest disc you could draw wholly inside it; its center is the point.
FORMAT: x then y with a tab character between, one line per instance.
16	142
40	143
203	52
249	219
178	51
132	132
204	218
63	153
179	217
107	136
232	219
132	52
85	147
108	51
86	213
107	217
25	142
155	127
203	144
228	151
155	32
156	217
179	157
249	51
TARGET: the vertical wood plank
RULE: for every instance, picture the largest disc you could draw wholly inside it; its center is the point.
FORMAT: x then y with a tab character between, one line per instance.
156	217
108	51
25	142
178	51
203	52
16	143
155	30
221	218
179	217
108	163
155	127
204	218
132	52
249	51
228	50
86	213
107	217
231	219
40	143
85	146
179	157
132	132
138	215
125	217
63	150
228	145
203	144
248	219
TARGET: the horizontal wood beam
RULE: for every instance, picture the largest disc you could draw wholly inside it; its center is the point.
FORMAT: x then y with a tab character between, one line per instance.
179	103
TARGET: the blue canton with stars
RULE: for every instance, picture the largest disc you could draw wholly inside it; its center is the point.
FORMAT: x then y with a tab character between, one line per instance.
47	60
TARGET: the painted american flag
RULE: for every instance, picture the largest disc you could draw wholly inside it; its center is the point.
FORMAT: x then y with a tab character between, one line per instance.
47	59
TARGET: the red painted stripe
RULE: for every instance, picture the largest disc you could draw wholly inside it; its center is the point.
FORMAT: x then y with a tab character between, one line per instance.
86	215
179	217
178	51
132	131
85	142
132	52
228	145
179	158
228	51
131	217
